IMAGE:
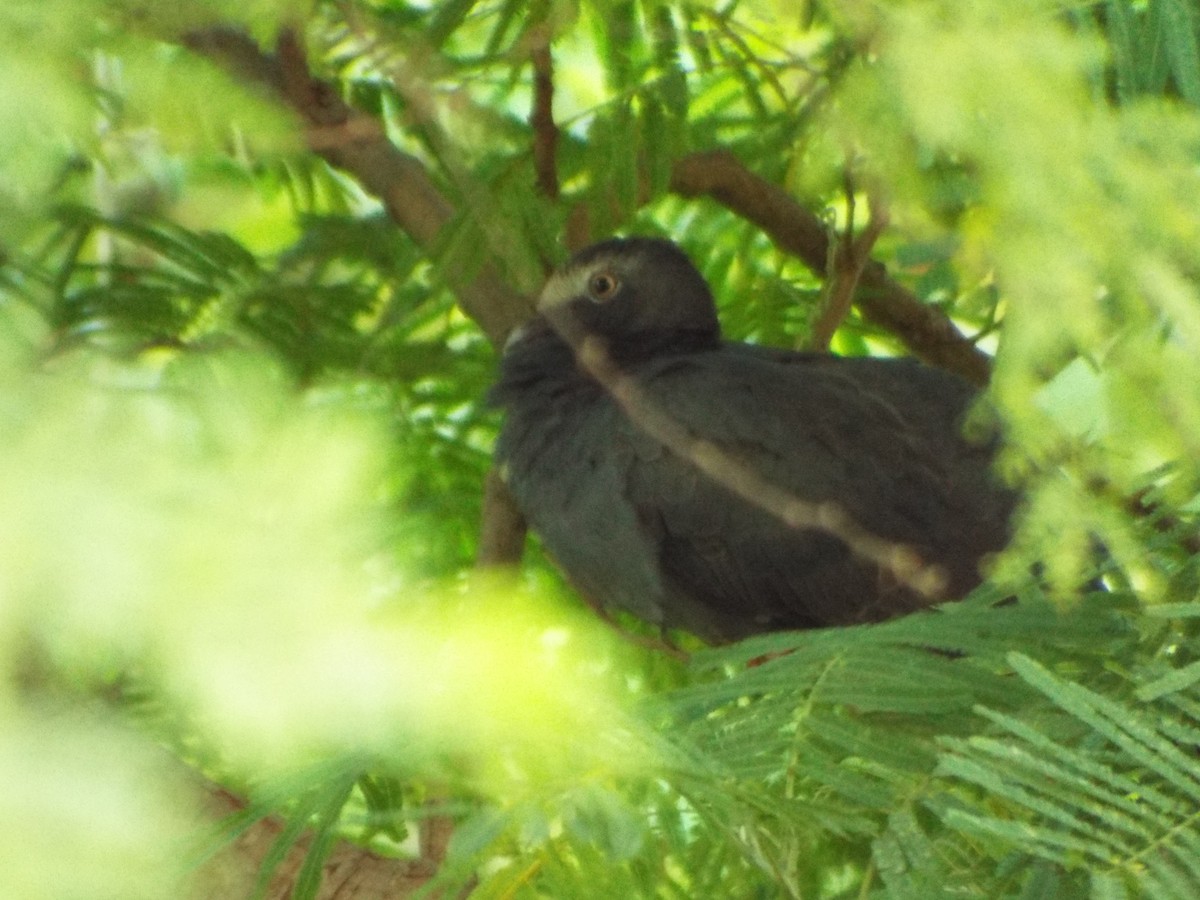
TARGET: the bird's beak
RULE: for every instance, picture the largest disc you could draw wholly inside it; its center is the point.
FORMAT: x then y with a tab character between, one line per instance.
559	290
515	335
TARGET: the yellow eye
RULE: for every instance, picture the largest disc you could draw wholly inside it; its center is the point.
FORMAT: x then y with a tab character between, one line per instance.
603	285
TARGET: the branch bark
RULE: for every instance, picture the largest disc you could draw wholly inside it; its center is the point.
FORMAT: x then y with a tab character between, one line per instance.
850	257
924	330
541	116
502	527
356	143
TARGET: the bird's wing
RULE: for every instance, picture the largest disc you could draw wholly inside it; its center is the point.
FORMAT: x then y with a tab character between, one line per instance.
561	456
878	438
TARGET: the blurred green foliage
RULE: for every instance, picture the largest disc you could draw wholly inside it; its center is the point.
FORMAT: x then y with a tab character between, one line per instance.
243	441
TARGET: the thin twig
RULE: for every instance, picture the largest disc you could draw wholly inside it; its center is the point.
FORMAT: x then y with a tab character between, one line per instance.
850	256
357	144
927	332
501	526
541	116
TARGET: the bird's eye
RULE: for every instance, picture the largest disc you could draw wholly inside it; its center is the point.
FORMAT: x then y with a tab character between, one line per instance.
603	285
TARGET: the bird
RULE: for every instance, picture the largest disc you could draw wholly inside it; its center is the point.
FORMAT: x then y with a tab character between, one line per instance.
729	489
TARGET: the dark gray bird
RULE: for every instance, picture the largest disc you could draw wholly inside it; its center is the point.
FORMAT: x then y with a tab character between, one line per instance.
729	489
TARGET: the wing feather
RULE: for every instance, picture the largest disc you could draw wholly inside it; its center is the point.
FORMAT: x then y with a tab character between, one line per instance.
880	438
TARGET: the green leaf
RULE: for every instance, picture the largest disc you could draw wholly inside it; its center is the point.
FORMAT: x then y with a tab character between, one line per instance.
325	836
1183	51
1178	680
1123	726
447	17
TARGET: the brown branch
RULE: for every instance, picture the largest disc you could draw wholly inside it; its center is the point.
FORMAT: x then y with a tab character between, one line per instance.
850	256
356	143
925	331
502	527
541	117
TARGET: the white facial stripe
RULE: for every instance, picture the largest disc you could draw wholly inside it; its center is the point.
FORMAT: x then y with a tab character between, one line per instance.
515	335
561	287
564	286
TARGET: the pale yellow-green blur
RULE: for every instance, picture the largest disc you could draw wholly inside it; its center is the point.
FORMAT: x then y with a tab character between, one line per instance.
222	540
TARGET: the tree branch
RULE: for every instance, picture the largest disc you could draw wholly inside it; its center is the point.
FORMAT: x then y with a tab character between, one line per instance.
850	256
502	527
794	229
357	144
541	117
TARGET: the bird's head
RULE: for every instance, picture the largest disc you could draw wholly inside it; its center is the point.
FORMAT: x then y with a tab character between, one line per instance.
635	294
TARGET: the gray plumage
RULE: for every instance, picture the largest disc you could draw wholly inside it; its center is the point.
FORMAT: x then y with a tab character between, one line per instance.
636	525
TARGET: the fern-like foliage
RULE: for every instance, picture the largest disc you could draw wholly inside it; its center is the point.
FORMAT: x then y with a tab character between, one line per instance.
920	758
